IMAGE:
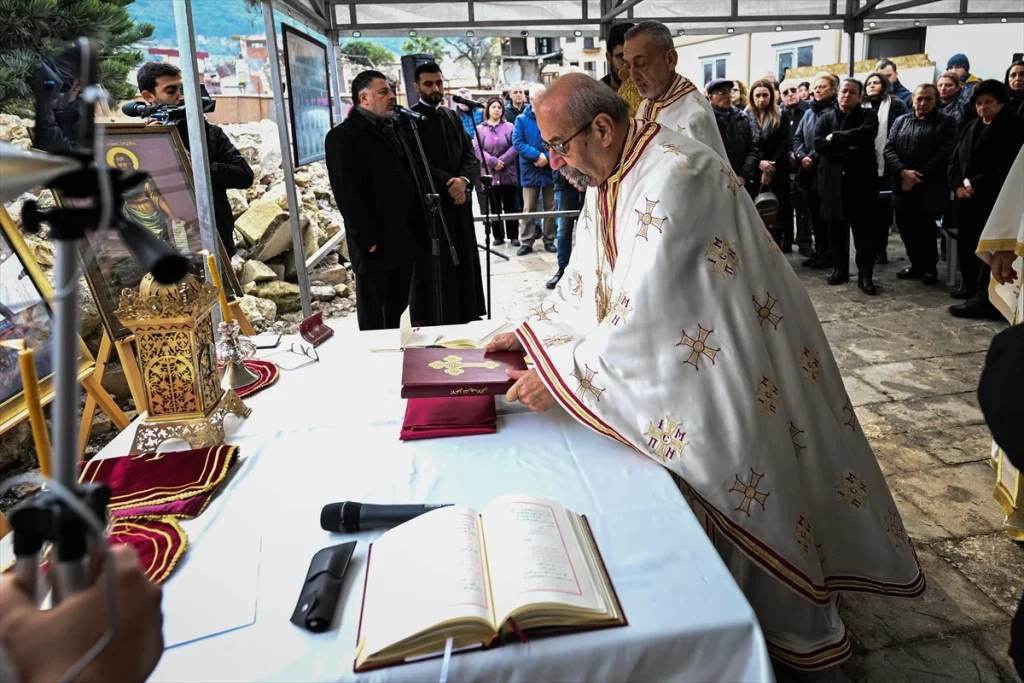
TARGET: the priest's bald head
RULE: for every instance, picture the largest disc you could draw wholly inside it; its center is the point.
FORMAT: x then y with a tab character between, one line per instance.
584	124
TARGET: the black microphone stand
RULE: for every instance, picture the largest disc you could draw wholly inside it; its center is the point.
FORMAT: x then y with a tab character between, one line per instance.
432	201
486	182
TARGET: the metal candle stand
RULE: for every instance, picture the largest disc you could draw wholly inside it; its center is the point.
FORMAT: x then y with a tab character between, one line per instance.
232	350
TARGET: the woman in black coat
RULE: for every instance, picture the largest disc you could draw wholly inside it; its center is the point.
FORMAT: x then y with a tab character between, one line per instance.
879	98
916	159
979	166
774	131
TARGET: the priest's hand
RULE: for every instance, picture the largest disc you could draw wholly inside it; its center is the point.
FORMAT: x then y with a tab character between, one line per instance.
506	341
1002	267
457	190
529	390
44	644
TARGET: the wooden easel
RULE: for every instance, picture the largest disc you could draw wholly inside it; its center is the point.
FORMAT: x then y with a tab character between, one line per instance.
125	354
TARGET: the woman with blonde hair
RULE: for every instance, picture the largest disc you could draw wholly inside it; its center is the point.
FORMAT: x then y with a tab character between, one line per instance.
773	131
739	94
952	102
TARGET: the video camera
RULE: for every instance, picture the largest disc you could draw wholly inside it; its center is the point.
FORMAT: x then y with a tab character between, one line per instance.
167	114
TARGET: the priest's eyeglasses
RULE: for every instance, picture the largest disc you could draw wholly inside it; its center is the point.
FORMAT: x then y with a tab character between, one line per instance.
298	349
563	146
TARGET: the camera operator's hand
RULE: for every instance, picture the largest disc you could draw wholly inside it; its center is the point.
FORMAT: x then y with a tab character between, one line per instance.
153	121
43	645
373	248
457	190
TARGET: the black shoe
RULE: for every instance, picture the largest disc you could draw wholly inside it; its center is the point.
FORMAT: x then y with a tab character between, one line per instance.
805	250
554	281
550	248
976	309
514	243
498	242
961	293
538	234
838	278
908	274
929	279
882	258
865	285
524	250
821	261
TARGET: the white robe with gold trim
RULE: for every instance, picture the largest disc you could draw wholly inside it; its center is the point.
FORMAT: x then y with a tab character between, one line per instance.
682	332
1005	232
685	110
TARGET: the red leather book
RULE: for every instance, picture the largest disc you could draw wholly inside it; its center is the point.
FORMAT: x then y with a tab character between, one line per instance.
433	373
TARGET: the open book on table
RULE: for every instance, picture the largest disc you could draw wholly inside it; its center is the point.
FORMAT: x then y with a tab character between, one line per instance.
523	565
479	333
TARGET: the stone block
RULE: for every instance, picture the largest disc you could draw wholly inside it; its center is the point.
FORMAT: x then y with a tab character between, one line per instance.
301	179
955	445
265	228
237	200
341	290
995	642
898	453
993	563
256	271
322	292
907	380
330	276
929	414
279	270
258	310
237	261
861	393
957	499
950	605
955	660
284	294
934	331
116	383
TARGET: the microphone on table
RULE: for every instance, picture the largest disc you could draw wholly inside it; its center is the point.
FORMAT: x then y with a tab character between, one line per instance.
349	517
410	113
472	104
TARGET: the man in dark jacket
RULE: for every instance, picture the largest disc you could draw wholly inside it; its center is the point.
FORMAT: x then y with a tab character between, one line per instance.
844	136
516	104
614	56
887	68
824	98
372	171
737	131
916	160
793	110
160	84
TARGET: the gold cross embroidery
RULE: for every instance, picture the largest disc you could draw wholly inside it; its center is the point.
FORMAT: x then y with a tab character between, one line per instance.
749	491
587	383
895	527
665	439
811	364
794	432
699	347
803	534
577	284
646	219
764	311
852	491
557	340
733	180
852	422
671	148
454	365
723	256
542	313
620	309
768	395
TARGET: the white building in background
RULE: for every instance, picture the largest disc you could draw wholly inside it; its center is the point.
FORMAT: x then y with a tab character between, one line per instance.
748	57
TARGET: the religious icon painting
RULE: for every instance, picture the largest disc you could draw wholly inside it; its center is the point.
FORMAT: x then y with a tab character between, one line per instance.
25	314
163	204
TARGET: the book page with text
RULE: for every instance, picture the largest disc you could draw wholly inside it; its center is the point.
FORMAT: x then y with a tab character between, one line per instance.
426	571
534	557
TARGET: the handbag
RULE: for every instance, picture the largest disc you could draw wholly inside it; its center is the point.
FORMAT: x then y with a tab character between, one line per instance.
767	205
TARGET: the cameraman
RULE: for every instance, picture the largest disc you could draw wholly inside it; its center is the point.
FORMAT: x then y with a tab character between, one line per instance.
160	84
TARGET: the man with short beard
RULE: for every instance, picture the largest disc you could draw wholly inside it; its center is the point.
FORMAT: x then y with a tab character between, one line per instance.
683	336
669	99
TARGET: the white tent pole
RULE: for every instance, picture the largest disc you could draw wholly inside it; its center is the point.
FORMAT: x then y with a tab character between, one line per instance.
298	250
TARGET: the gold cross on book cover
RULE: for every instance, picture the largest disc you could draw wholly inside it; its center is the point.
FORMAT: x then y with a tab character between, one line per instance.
433	373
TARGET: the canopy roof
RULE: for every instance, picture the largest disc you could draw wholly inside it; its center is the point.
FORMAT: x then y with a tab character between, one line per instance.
385	18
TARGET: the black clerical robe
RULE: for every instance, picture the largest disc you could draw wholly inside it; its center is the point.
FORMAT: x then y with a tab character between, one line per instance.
450	155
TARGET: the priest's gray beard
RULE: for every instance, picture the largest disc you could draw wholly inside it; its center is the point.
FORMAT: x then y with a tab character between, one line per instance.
578	179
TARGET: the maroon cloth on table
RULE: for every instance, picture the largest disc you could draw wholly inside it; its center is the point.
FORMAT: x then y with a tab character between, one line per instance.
433	418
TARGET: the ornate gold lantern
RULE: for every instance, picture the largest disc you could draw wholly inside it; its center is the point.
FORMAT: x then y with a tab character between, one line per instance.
173	329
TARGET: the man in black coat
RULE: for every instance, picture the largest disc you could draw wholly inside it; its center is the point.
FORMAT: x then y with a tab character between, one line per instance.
160	84
844	137
372	172
455	170
916	158
737	131
793	110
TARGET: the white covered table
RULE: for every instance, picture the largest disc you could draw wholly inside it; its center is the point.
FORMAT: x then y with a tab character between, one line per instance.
328	432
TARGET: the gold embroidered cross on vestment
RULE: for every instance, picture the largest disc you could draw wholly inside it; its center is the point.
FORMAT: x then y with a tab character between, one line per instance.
455	366
698	347
750	492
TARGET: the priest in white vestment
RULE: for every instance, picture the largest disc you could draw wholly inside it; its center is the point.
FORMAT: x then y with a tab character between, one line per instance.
682	333
669	99
1002	247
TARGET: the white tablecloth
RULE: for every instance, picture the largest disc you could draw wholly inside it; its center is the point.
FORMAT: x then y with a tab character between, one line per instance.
328	432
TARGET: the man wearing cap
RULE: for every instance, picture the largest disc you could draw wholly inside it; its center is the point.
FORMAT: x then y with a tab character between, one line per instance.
962	66
739	139
669	99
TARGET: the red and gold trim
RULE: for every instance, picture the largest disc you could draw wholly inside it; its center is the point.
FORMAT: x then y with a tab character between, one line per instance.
212	465
267	373
755	549
823	657
680	88
637	140
160	543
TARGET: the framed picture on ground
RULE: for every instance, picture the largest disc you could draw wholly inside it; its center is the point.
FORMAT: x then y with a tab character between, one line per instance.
308	94
165	204
25	313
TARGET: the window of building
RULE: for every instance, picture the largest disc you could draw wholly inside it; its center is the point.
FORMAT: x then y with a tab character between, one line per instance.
793	56
576	64
590	68
713	67
588	44
571	39
516	47
544	46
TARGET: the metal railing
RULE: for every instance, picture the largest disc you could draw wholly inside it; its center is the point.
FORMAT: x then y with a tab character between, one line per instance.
530	214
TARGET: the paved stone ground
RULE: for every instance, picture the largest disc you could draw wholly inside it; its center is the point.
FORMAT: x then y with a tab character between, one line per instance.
912	372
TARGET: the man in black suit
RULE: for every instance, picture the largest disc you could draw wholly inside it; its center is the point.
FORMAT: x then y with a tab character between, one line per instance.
455	170
371	167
